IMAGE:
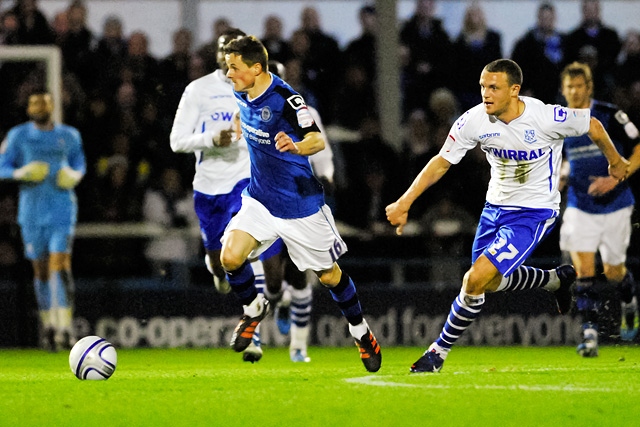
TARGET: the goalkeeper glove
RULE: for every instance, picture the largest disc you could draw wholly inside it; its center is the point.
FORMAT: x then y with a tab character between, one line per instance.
32	172
68	178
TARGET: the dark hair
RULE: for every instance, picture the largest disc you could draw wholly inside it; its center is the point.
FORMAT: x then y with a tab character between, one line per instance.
230	34
513	70
576	69
251	49
546	6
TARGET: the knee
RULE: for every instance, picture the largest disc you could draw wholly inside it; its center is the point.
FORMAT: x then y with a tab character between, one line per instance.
474	283
231	261
615	273
331	277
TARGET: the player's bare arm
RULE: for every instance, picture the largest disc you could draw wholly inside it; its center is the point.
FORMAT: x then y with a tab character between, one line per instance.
618	165
398	211
310	144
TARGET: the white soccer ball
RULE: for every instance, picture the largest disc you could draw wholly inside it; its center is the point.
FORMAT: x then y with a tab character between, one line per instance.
93	358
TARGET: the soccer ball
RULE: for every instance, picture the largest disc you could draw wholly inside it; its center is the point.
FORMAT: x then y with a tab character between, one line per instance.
93	358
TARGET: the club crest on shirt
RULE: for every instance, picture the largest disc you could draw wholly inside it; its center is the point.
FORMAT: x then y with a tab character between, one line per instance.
530	136
266	114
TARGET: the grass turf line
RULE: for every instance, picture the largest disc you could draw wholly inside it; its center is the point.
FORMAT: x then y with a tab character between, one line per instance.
506	386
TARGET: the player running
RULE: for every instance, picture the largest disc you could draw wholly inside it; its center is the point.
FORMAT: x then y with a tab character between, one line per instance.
204	125
284	199
522	140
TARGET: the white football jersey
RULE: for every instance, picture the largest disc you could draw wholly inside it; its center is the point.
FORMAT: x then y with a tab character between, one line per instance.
525	155
322	161
206	108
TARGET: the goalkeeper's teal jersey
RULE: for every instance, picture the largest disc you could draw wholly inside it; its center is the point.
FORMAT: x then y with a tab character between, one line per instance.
43	203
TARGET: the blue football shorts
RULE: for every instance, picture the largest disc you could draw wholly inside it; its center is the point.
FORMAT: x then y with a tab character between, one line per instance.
215	212
41	240
508	235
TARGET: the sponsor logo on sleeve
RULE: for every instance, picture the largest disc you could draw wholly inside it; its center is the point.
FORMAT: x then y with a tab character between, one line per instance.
304	117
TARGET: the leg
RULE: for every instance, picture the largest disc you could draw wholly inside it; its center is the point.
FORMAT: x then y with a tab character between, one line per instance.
214	265
483	276
343	292
43	298
253	353
301	296
587	301
624	290
235	251
62	291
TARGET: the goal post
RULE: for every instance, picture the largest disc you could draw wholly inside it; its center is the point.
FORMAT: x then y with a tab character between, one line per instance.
51	56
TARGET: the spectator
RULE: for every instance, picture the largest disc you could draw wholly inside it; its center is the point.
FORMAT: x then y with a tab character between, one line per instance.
374	174
429	51
629	61
169	205
277	47
174	71
596	44
418	147
33	27
356	100
142	66
326	64
209	51
77	44
362	50
9	26
540	53
109	56
476	46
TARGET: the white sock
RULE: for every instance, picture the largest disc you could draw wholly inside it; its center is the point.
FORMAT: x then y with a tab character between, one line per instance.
255	308
299	338
357	331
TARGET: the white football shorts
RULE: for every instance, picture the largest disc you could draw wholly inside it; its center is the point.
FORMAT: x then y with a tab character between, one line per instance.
313	242
608	233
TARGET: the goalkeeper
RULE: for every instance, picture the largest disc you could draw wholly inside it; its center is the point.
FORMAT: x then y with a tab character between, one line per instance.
47	159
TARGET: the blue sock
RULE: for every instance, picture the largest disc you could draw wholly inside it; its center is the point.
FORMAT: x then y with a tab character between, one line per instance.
242	283
587	302
43	294
344	293
464	310
58	290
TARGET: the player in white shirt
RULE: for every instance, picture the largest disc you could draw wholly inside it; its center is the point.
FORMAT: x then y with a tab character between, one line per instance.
204	125
522	139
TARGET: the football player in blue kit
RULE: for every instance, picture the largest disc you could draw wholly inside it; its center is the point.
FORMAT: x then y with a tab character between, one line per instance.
283	199
48	160
598	214
522	140
204	125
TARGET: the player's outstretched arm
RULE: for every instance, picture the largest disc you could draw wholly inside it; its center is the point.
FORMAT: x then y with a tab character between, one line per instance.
312	143
398	212
618	165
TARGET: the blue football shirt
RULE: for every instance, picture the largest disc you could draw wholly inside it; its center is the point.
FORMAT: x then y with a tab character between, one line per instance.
44	203
283	182
586	160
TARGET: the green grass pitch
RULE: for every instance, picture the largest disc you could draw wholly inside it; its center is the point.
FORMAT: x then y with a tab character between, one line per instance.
478	386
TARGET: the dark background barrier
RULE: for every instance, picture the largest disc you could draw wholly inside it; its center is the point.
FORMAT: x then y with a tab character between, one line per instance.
136	312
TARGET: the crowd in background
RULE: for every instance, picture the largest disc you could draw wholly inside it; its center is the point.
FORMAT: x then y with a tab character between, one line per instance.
123	100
